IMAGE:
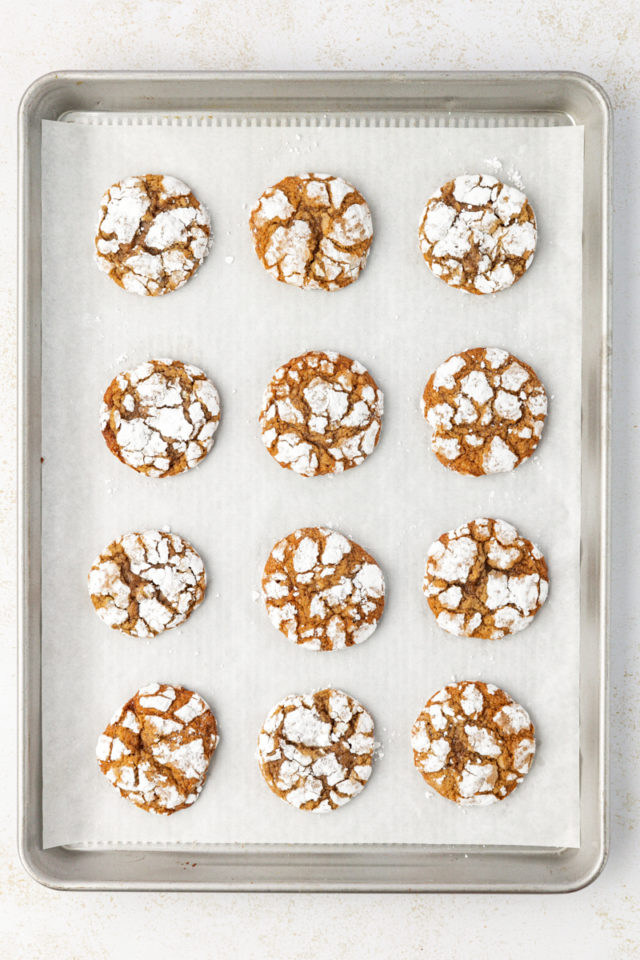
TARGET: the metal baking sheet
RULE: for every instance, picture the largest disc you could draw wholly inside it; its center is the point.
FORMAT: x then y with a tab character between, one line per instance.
458	99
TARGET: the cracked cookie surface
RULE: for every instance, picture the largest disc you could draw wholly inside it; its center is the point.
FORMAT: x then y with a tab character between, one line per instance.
322	590
485	580
487	409
321	413
160	418
316	750
153	234
156	749
312	230
144	583
478	234
473	743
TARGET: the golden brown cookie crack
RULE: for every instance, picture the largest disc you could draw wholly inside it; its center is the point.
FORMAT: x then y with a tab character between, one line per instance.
160	418
321	413
322	590
312	230
316	750
156	749
485	580
145	583
473	743
478	234
487	409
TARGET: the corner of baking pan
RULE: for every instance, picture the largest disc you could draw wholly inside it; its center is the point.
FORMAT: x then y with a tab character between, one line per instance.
35	870
43	89
593	89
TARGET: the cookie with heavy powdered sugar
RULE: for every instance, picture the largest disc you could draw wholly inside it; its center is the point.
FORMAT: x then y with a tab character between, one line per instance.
156	749
487	409
478	234
485	580
316	750
322	590
313	230
145	583
321	413
473	743
153	234
161	417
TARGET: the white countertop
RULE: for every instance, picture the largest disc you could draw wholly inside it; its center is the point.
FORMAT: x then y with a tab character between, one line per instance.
597	37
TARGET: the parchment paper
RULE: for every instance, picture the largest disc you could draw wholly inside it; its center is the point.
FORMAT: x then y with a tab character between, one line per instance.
238	324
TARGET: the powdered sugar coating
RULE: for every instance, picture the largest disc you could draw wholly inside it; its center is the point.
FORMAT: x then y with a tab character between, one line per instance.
145	583
478	234
321	413
473	743
487	410
156	749
161	417
153	234
322	590
313	230
316	750
484	580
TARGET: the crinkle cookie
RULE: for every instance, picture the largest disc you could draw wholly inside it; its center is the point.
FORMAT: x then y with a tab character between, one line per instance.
321	413
322	590
156	749
478	234
485	580
312	230
144	583
473	743
487	410
315	751
153	234
160	418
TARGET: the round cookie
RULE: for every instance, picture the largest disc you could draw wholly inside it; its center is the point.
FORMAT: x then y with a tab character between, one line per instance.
478	234
144	583
315	751
312	230
487	410
160	418
322	590
153	234
472	743
156	749
321	413
485	580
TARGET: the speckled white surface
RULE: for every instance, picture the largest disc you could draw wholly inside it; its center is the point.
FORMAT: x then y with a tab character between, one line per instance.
599	37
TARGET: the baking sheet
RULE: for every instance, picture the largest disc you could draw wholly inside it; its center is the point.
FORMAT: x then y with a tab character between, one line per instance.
238	324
